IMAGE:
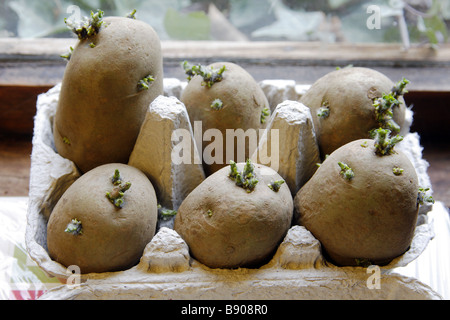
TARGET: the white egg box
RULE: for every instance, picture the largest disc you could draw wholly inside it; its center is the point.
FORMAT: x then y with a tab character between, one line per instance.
167	271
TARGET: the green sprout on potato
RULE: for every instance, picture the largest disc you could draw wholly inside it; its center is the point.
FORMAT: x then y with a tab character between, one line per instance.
234	171
275	185
132	14
145	83
346	67
245	179
264	114
116	178
210	75
217	105
397	171
248	170
400	88
384	114
324	111
346	171
66	141
74	227
384	144
86	27
118	192
385	105
319	164
67	55
423	198
166	214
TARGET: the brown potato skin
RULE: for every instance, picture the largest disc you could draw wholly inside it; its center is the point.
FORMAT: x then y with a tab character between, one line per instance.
372	216
243	102
350	93
113	239
100	110
244	228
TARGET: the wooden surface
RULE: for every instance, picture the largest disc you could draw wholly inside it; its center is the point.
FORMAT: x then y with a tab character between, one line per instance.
15	162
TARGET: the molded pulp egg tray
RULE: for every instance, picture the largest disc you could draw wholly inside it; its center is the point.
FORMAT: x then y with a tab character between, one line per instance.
167	271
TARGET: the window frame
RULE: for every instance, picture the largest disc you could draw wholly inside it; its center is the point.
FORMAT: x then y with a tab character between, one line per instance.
17	53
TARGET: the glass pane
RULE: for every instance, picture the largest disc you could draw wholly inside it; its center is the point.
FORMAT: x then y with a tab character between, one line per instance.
407	21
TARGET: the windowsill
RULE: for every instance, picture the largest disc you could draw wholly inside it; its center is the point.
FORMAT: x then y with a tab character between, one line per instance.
23	61
263	50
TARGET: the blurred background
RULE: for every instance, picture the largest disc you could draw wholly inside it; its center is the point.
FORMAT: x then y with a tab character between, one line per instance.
412	22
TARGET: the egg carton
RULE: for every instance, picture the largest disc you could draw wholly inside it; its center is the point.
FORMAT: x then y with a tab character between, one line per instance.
166	270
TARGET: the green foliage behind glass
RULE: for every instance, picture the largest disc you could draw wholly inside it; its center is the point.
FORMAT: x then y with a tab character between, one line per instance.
298	20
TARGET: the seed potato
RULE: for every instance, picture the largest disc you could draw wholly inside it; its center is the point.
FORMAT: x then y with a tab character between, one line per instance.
349	96
234	102
361	206
228	226
101	233
103	102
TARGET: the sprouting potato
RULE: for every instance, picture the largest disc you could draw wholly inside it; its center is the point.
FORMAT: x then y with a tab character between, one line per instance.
104	220
224	96
237	217
362	202
113	74
343	105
